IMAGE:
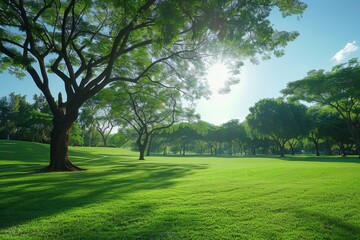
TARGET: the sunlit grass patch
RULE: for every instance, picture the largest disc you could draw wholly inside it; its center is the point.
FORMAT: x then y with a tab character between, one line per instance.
119	197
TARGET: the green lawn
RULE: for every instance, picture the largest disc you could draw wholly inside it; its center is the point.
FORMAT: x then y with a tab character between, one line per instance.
120	197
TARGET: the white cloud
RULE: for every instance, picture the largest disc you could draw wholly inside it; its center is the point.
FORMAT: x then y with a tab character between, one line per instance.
344	52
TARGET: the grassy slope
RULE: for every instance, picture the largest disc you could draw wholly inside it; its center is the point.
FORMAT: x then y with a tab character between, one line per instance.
119	197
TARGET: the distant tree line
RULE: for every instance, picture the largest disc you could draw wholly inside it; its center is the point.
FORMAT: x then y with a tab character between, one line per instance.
274	126
152	120
20	120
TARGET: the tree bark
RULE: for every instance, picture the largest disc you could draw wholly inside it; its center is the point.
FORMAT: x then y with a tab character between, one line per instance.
282	148
292	143
354	135
342	150
142	153
104	139
253	150
317	148
315	140
148	152
328	144
142	146
230	148
59	159
282	151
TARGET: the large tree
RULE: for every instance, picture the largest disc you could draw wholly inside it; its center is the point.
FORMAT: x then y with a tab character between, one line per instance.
338	88
277	120
88	44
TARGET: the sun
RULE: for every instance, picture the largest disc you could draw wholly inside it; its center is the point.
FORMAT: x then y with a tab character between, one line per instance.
217	74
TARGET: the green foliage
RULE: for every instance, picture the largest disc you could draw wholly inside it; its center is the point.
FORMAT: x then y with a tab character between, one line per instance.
93	43
119	139
177	197
24	121
76	135
277	120
150	109
338	88
328	126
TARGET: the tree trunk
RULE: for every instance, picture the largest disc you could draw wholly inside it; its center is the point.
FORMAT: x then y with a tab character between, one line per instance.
292	143
342	150
59	160
282	150
317	148
315	140
142	146
292	150
104	139
328	145
149	145
90	137
282	154
142	153
355	136
253	150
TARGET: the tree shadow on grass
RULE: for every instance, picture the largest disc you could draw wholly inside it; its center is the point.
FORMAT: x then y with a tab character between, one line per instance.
26	197
24	152
330	227
27	157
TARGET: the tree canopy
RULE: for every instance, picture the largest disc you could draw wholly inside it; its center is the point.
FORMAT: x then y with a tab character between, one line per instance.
148	109
338	88
277	120
88	44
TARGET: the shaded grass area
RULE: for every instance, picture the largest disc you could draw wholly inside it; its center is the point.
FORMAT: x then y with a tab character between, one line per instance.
119	197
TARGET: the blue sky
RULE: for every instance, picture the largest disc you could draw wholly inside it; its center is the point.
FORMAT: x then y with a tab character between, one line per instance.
326	28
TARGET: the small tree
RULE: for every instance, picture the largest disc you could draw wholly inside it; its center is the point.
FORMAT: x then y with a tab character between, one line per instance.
103	118
215	139
76	135
147	109
231	134
40	120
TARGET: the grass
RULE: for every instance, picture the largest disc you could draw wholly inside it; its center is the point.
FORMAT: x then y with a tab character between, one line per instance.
119	197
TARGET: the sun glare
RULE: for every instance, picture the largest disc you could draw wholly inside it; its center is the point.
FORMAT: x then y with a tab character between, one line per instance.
218	73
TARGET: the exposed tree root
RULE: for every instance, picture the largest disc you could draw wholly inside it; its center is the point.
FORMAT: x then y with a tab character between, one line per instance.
66	166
